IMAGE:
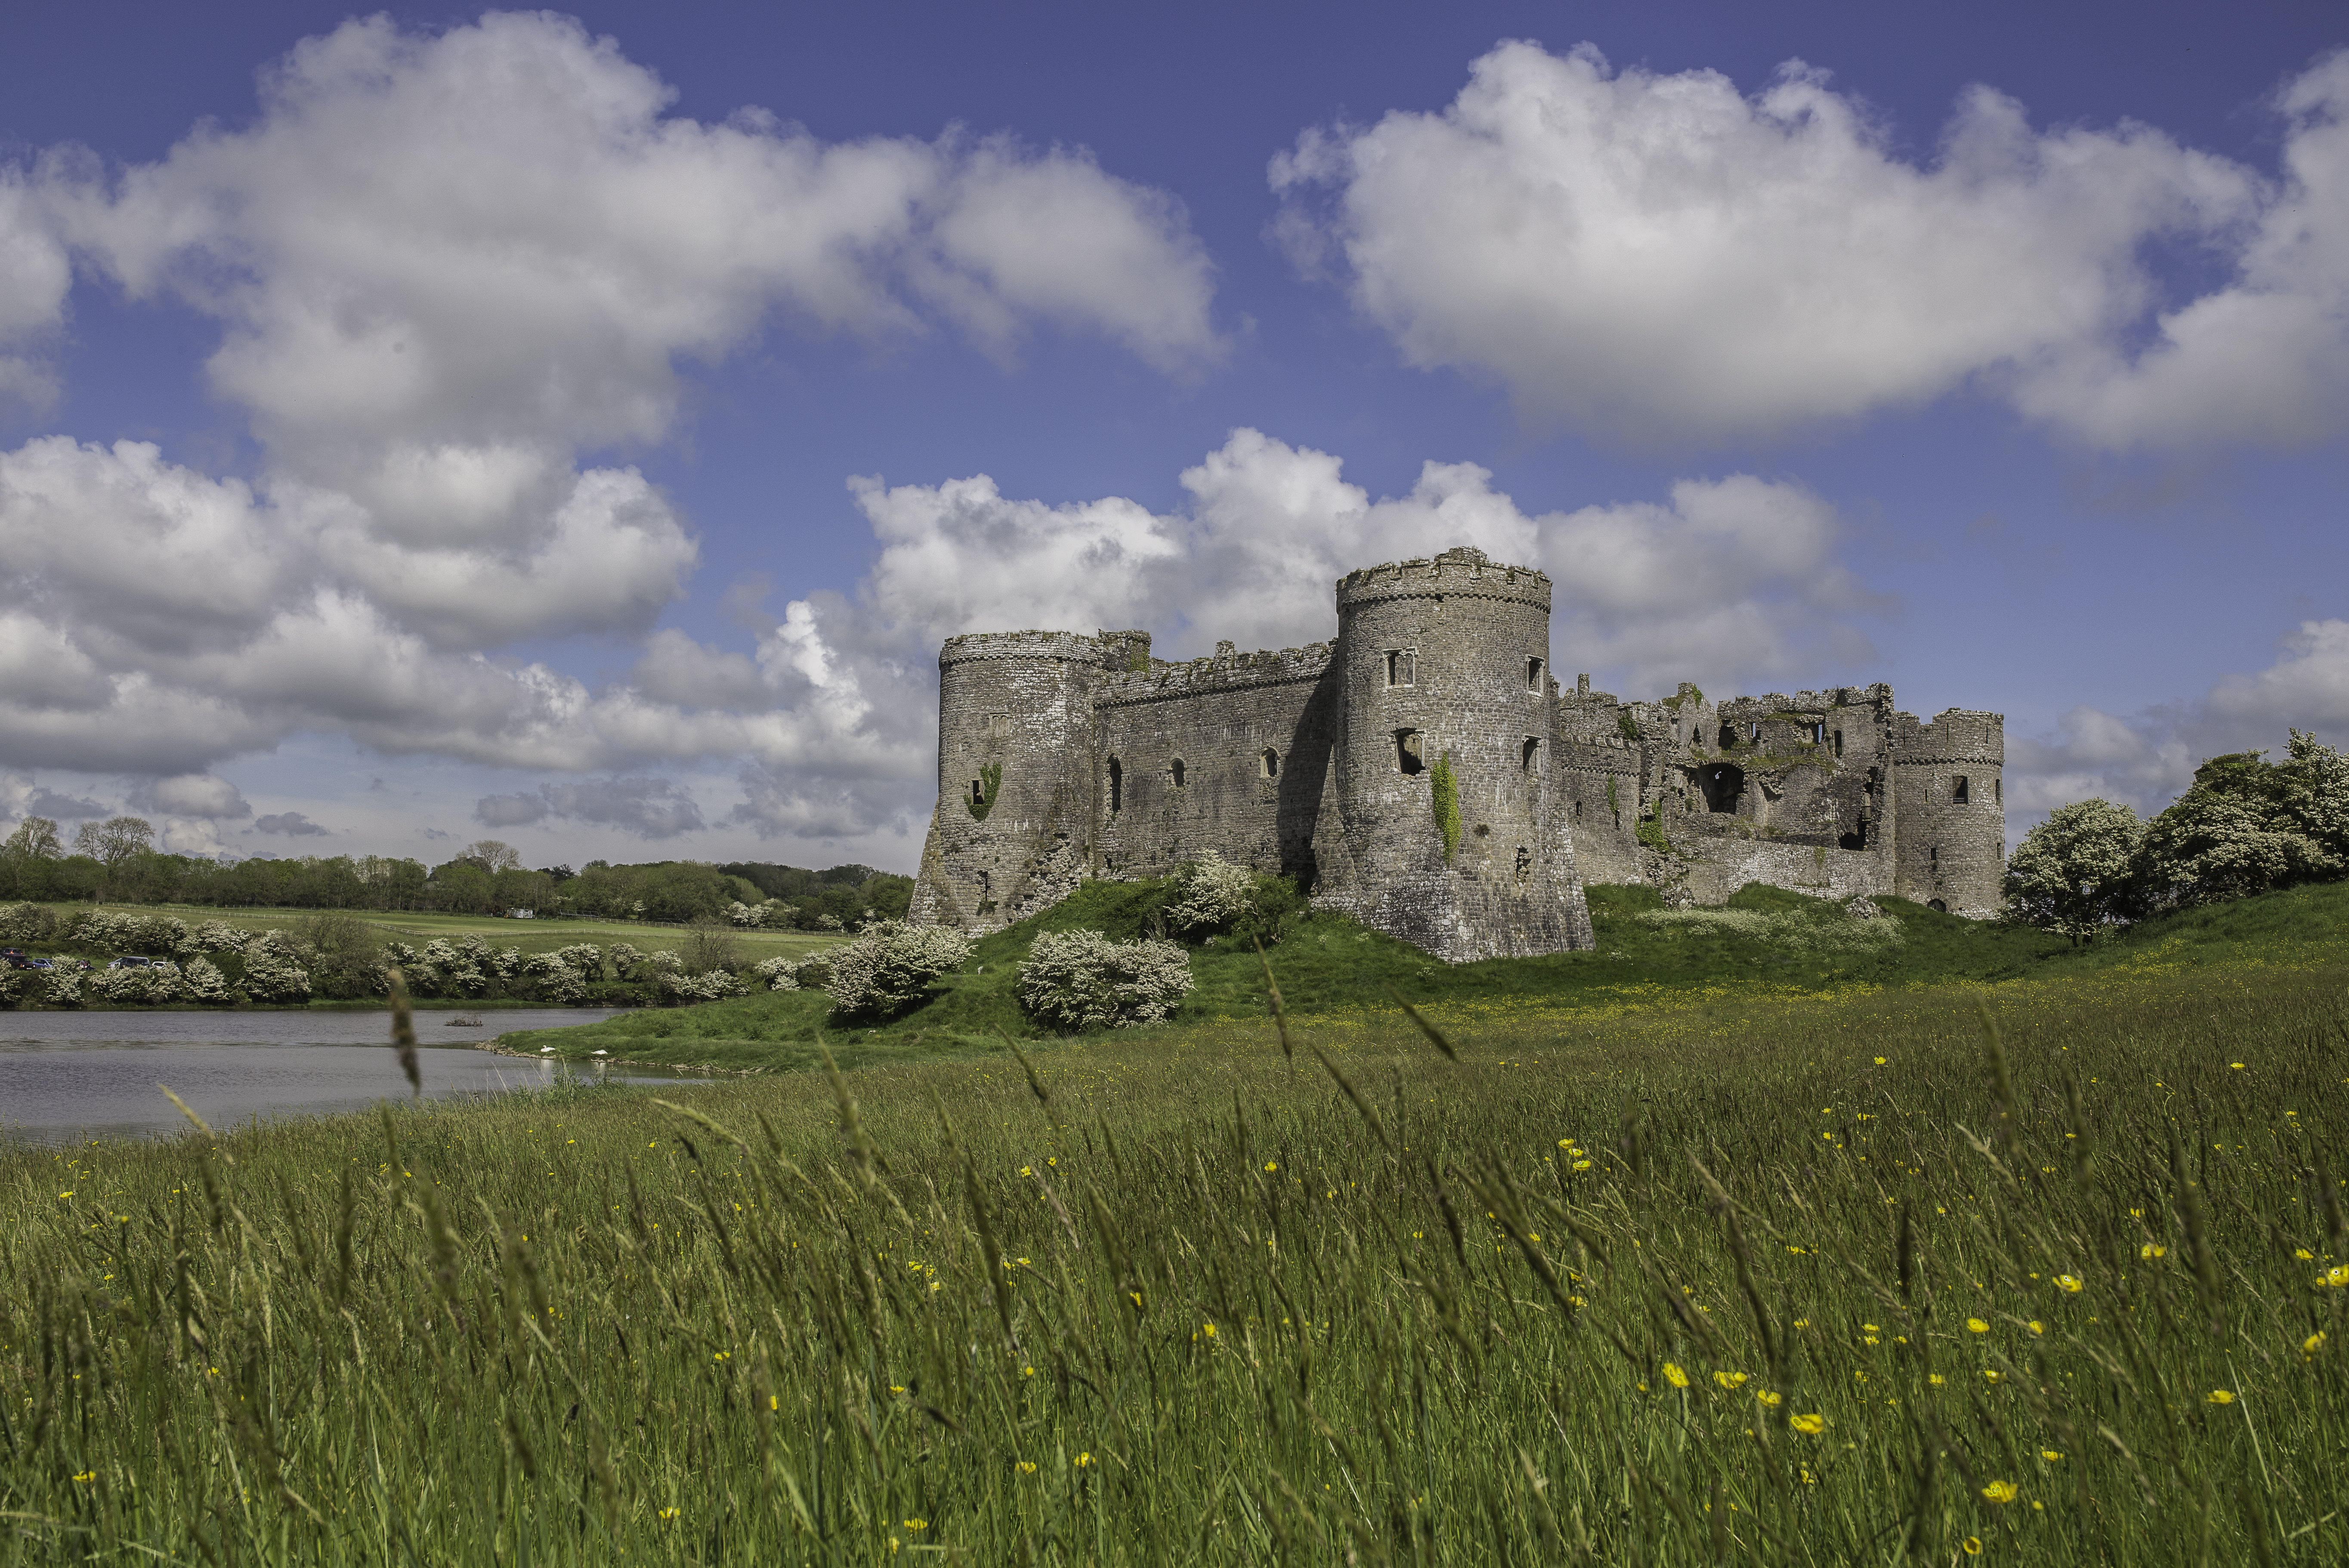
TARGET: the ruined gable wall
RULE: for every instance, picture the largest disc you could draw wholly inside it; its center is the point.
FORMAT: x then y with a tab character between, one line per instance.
1218	717
1599	765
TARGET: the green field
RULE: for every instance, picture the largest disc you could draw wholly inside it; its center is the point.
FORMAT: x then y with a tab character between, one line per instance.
530	935
1787	1273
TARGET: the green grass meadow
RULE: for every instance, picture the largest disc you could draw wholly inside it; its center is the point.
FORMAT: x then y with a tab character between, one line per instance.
2029	1257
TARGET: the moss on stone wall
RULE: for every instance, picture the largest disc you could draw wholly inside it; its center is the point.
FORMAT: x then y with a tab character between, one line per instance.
1446	793
990	784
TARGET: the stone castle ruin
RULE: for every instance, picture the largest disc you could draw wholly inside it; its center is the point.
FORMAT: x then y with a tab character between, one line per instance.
1425	774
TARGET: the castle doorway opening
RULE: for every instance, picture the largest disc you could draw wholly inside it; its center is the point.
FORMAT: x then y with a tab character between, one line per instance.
1722	784
1407	757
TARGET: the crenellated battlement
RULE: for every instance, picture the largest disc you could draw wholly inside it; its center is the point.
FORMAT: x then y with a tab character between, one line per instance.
1954	735
1166	681
1463	570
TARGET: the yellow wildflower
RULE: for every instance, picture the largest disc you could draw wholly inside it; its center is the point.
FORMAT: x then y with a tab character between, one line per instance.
2152	1250
2312	1343
1972	1545
1026	1467
2220	1396
1976	1326
2002	1491
2337	1275
2070	1283
2050	1455
1083	1460
1769	1400
1729	1380
1674	1376
1809	1426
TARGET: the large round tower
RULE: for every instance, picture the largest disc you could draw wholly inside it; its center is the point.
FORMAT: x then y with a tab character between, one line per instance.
1015	775
1444	766
1949	797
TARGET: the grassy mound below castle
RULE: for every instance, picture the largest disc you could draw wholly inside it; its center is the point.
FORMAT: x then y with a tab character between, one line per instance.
1768	949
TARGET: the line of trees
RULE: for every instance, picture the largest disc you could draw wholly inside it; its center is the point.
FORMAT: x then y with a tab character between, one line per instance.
2245	825
115	861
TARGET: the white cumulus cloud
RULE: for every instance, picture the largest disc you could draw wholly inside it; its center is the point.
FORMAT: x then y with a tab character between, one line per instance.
1667	257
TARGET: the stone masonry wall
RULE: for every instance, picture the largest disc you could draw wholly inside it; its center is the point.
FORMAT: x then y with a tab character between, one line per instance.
1229	753
1952	811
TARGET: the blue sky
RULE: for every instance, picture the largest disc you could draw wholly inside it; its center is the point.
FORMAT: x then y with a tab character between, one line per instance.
579	427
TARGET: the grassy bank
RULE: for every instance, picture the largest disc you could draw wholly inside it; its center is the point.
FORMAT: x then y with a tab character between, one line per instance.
1754	1281
1768	950
419	927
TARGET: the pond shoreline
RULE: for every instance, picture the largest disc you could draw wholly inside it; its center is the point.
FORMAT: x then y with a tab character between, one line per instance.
496	1046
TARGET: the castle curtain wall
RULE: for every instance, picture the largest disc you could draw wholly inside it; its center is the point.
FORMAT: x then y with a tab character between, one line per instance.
1252	734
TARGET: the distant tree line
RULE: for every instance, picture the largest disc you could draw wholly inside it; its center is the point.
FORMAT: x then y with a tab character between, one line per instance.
115	861
2245	825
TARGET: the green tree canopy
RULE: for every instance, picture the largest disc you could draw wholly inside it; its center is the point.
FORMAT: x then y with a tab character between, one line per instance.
2075	873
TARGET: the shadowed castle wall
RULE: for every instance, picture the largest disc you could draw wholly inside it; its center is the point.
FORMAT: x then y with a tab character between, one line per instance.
1951	846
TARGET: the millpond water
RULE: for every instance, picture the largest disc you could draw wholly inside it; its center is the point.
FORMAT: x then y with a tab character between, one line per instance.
67	1077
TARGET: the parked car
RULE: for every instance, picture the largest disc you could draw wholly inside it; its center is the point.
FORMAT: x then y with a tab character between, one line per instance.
133	961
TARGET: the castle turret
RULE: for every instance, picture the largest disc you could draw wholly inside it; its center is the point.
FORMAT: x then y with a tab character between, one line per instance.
1015	772
1444	767
1949	797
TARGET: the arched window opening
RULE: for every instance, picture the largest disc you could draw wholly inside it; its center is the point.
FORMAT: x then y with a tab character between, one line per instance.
1267	763
1407	751
1402	668
1937	906
1958	796
1531	760
1722	784
1116	786
1177	771
1533	676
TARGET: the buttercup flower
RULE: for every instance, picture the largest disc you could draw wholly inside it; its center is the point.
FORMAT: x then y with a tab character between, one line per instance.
1976	1326
1809	1426
1729	1380
2002	1491
2220	1396
1674	1376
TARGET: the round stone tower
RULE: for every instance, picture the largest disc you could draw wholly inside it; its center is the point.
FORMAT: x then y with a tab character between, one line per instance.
1015	783
1949	799
1444	767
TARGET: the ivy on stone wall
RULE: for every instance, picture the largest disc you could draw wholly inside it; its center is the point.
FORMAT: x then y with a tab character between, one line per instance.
1628	725
1614	807
1447	804
990	784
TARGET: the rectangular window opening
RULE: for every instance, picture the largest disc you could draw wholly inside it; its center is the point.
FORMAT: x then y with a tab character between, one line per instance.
1408	758
1838	744
1958	795
1533	676
1401	667
1997	792
1531	760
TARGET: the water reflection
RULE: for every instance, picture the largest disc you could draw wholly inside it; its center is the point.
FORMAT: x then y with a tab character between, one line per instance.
65	1076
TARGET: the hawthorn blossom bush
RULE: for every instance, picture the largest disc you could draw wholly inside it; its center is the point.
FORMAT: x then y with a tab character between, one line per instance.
1209	894
150	985
891	965
206	984
271	975
1083	980
714	986
777	973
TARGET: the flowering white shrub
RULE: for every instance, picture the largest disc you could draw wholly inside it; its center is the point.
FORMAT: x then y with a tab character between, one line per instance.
586	957
890	965
218	936
1083	980
751	917
205	983
557	982
779	972
663	961
1209	893
715	985
63	990
271	976
152	985
104	930
455	968
623	956
25	922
